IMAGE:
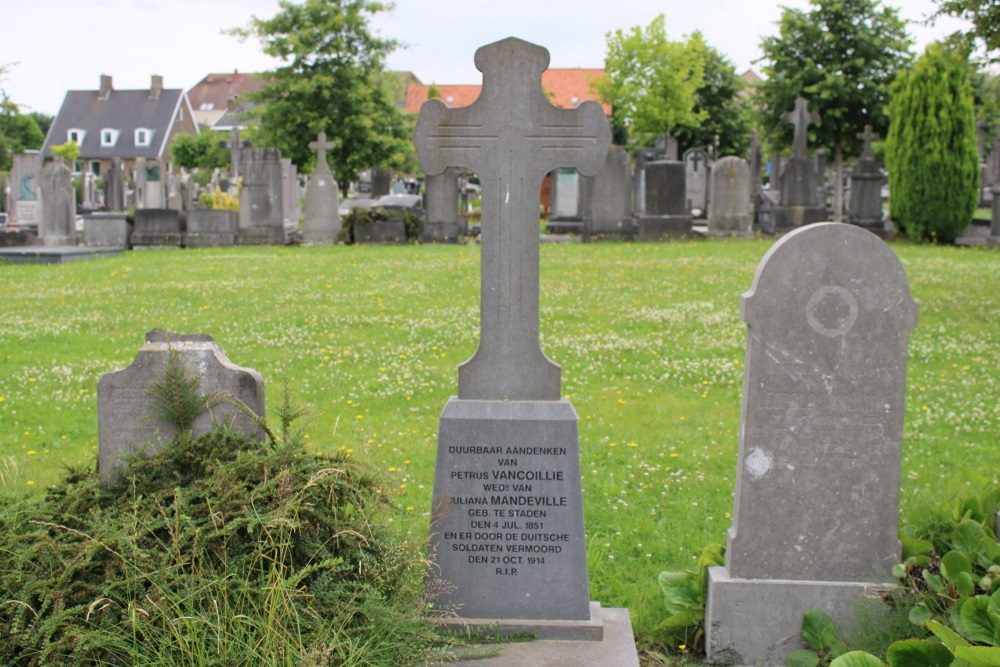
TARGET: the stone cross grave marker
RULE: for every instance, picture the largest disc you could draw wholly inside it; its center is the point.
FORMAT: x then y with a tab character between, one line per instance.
868	136
321	223
507	530
510	137
816	510
234	153
801	119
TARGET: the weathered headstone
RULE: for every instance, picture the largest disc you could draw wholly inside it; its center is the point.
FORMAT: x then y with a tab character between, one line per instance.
291	198
174	199
261	199
565	215
865	207
606	198
139	183
126	416
157	228
57	226
667	147
696	175
155	187
665	214
442	223
800	203
322	220
25	180
643	156
729	211
817	492
114	186
507	525
381	182
756	182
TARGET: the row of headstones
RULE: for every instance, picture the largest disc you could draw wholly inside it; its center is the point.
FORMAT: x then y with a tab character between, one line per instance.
816	507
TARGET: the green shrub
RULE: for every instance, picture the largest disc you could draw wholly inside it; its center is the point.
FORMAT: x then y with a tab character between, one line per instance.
219	550
931	149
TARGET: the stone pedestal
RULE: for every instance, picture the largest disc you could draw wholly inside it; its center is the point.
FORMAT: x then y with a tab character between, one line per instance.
157	227
442	223
507	525
113	230
786	218
607	199
211	227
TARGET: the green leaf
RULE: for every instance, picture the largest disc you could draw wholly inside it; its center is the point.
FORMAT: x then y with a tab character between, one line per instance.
934	582
914	547
680	591
948	637
918	653
682	619
802	658
988	552
820	633
966	585
953	564
857	659
976	619
966	536
919	615
979	656
993	606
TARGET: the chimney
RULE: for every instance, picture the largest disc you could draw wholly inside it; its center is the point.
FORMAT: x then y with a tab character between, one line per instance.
156	87
105	91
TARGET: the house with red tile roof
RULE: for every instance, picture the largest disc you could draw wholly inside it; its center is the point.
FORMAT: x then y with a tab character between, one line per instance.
566	88
220	92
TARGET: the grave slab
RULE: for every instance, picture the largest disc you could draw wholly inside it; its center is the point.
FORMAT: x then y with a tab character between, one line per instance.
54	254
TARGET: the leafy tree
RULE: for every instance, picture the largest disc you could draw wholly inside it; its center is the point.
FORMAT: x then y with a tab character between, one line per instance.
651	82
200	150
984	16
726	113
842	56
68	151
931	151
18	132
332	80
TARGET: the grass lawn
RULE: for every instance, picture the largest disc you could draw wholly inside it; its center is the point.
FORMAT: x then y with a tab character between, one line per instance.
648	337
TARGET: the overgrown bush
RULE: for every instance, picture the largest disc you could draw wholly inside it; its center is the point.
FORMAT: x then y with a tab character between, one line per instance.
364	216
219	550
931	149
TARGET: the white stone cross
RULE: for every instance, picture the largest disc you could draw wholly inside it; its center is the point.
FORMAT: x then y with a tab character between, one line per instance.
510	137
321	145
801	119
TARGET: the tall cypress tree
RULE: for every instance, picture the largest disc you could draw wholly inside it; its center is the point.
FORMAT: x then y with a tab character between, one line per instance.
931	149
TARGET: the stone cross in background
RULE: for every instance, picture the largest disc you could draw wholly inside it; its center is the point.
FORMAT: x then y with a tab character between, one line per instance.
234	147
322	217
868	136
801	119
510	137
321	146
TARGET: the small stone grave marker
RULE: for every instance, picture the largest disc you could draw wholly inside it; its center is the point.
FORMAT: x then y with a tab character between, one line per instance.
125	412
816	512
729	209
322	220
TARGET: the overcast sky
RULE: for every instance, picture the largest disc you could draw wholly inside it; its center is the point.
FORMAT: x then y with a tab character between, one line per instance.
61	45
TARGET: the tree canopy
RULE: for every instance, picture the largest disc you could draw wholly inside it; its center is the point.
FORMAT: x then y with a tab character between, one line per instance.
842	56
984	16
651	82
332	81
200	150
18	132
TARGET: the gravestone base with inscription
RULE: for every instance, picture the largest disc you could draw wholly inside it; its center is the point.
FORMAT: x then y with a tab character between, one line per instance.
157	227
107	230
381	232
508	509
262	236
731	640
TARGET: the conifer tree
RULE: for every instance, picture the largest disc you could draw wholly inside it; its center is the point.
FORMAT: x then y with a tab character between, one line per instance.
931	151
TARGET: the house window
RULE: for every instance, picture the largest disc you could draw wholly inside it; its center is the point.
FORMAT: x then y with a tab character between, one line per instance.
77	135
78	167
95	167
109	137
207	106
143	136
450	99
575	101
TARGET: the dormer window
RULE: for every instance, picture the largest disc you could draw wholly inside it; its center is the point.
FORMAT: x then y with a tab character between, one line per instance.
575	101
109	137
450	99
76	135
207	106
143	136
